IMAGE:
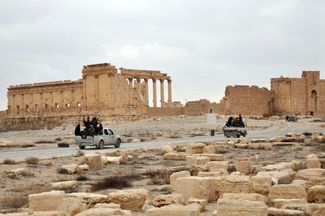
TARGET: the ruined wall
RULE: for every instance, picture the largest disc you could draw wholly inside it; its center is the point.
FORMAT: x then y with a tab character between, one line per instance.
203	106
301	96
247	100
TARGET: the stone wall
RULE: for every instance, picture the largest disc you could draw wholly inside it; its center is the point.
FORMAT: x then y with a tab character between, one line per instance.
301	96
203	106
247	100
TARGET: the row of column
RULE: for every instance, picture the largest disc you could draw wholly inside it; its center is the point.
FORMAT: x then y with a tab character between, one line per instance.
154	93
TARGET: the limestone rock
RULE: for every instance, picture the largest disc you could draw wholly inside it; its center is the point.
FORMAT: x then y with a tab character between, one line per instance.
46	201
308	174
18	172
70	168
174	156
174	210
312	162
261	184
283	176
177	175
288	191
210	149
132	199
49	213
237	184
113	160
94	161
83	167
108	205
278	166
244	166
316	194
296	204
196	187
197	160
284	212
315	209
105	212
245	196
215	173
229	207
214	157
266	146
124	158
202	203
297	165
71	206
90	199
168	199
65	185
216	165
167	149
194	148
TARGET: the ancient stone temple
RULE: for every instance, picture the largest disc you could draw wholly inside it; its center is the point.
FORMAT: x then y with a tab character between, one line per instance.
288	96
103	90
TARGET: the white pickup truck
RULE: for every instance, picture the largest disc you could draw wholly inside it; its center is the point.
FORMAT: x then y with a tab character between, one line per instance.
99	141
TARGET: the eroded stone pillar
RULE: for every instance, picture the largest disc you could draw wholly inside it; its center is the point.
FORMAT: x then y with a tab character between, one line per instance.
162	96
139	88
170	93
146	92
154	93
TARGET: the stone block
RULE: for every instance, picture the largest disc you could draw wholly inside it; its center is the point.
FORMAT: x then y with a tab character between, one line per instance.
18	172
113	160
65	185
49	213
167	149
245	196
237	184
216	173
209	149
297	165
94	161
132	199
194	148
261	184
296	204
83	167
197	160
288	191
177	175
216	165
278	166
284	212
168	199
70	168
266	146
104	211
309	174
229	207
314	209
174	210
316	194
46	201
71	206
196	187
214	157
175	156
312	162
244	166
283	176
202	203
108	205
90	199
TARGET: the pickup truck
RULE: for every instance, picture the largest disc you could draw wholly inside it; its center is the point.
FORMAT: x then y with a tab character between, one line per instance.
234	131
99	141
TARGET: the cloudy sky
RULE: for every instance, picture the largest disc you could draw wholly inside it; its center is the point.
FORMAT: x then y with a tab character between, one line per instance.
203	45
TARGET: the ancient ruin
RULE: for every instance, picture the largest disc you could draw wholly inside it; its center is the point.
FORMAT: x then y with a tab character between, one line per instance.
123	93
294	96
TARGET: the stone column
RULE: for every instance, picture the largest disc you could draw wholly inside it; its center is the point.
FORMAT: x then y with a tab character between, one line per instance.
170	93
139	88
162	96
154	92
146	93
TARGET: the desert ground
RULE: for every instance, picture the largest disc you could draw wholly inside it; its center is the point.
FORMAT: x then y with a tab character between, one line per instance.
272	146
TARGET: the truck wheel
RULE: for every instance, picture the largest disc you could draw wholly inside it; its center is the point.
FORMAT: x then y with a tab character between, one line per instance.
118	143
82	147
100	144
